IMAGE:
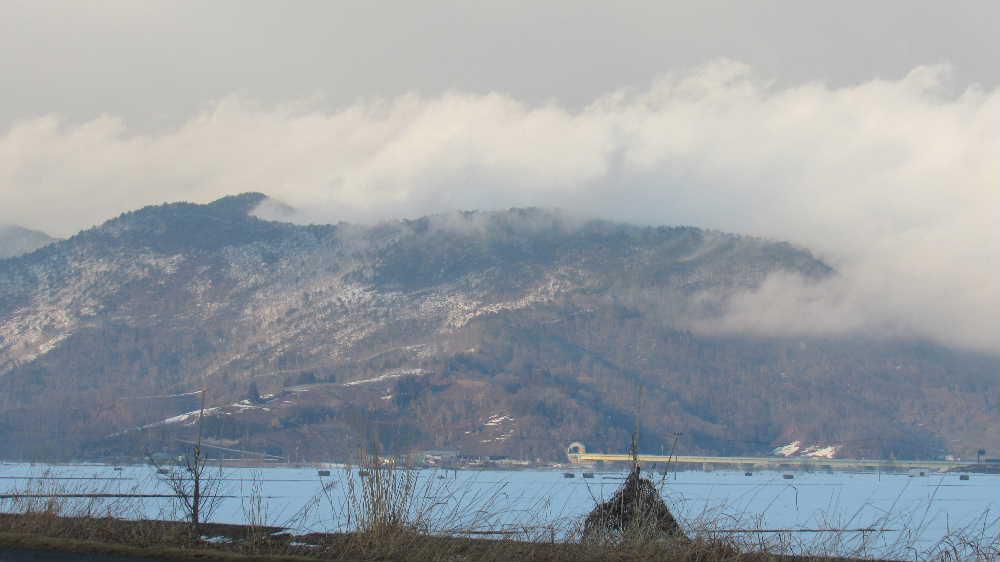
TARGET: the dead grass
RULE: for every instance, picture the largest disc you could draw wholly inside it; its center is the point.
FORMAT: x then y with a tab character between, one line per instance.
388	514
171	540
161	551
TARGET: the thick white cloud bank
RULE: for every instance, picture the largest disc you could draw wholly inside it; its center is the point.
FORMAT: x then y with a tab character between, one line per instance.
894	182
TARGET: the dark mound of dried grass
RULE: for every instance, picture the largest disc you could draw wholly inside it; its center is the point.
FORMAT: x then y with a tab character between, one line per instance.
636	513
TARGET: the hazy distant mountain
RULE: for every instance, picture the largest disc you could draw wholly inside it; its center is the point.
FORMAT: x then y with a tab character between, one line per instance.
15	240
506	333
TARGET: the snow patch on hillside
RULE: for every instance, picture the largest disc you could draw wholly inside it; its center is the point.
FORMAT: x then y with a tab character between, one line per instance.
496	420
463	310
813	451
65	298
389	375
821	452
787	450
191	417
503	426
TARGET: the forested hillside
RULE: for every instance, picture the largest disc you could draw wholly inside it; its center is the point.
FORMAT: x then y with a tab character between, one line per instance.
503	333
16	241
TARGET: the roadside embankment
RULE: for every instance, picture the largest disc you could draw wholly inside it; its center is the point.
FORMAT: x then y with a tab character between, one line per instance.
114	540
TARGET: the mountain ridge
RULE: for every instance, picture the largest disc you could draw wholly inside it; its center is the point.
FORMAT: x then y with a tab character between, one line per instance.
416	333
17	240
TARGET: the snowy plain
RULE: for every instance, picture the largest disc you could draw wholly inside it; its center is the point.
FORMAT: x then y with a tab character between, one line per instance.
905	516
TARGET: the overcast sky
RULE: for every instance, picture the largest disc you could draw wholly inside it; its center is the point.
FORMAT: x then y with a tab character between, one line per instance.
156	62
866	131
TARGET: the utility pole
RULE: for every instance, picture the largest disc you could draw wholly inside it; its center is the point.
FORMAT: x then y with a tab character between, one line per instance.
198	468
635	434
677	435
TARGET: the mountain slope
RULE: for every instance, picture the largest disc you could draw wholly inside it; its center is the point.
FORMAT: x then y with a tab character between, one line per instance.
16	241
498	333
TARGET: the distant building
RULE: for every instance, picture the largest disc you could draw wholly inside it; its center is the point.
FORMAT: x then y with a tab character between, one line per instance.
440	456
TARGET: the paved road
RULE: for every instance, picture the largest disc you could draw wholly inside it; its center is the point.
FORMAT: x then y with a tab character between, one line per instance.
27	555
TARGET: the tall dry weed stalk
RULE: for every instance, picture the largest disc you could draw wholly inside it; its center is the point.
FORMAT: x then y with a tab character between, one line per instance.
381	497
256	512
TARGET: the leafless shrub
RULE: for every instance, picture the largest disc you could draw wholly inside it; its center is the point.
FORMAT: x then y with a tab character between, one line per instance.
196	489
197	492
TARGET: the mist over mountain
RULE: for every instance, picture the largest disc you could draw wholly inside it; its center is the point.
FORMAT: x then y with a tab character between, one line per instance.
506	332
16	240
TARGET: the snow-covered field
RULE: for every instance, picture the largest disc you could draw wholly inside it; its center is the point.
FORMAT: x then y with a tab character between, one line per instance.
918	511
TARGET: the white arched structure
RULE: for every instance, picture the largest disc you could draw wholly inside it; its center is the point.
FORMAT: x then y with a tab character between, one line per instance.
574	450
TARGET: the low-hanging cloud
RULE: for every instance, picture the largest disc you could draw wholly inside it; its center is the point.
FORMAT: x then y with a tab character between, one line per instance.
896	183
